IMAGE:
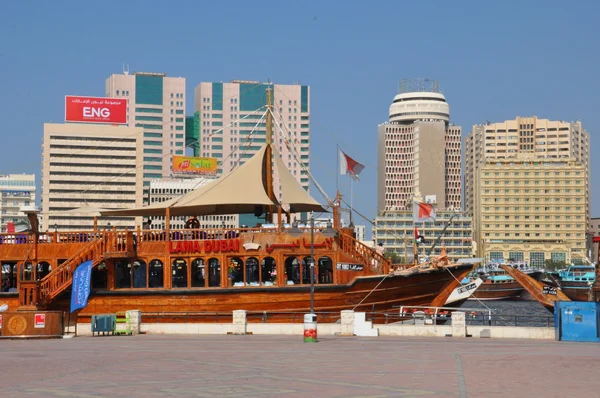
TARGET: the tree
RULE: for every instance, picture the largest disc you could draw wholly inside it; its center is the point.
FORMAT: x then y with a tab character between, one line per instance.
555	265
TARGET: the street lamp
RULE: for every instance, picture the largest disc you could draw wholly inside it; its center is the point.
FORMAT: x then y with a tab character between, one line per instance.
312	265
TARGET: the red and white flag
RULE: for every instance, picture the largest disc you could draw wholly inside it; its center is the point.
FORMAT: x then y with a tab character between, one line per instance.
349	166
418	237
423	212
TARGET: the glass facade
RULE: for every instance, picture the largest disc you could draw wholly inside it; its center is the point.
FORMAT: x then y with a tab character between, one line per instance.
192	133
148	90
217	96
252	96
304	99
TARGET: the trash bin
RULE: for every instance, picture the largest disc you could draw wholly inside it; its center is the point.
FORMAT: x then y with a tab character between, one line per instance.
310	328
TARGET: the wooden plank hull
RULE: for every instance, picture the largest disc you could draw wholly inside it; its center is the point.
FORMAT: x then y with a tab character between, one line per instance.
372	293
577	291
498	291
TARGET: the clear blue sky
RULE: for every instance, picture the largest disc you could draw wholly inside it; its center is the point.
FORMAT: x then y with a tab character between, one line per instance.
494	60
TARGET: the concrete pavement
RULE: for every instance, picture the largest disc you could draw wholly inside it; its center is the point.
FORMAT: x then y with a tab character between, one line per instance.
261	366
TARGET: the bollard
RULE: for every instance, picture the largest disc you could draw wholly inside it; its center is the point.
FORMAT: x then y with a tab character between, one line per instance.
310	328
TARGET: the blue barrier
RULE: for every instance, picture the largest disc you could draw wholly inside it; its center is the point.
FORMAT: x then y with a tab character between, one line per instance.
103	323
577	321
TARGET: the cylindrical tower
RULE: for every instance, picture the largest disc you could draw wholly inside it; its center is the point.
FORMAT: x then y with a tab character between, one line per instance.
419	99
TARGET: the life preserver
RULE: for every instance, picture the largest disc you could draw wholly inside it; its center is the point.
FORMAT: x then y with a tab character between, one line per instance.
192	223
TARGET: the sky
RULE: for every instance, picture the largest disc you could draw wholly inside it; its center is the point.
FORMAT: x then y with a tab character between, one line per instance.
494	61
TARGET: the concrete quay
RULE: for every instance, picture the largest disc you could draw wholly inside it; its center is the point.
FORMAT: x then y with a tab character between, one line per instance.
262	366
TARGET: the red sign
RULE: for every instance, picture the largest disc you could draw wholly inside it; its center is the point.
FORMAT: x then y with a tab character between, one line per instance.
95	110
208	246
0	321
39	321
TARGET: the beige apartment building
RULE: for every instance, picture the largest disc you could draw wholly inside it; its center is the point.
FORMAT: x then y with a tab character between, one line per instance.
419	150
16	191
541	138
395	230
232	127
90	165
531	208
156	104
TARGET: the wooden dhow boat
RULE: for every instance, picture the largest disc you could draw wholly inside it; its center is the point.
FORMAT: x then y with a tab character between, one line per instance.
220	270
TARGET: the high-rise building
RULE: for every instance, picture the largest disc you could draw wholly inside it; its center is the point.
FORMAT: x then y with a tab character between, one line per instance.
233	129
157	105
89	165
419	150
531	208
16	191
542	138
168	188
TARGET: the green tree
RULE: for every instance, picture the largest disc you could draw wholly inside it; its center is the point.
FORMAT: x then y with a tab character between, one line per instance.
555	265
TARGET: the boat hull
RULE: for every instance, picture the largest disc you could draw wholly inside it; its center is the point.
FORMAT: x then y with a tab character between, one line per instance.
577	291
368	293
498	291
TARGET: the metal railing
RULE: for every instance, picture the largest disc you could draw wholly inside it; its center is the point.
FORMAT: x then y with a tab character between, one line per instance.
472	319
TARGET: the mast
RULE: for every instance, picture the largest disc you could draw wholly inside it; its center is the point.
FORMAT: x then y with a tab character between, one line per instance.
268	165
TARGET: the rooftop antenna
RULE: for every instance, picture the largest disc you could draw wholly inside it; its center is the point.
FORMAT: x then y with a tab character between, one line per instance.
125	69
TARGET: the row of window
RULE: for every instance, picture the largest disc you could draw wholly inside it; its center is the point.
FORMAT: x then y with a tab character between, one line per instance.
204	273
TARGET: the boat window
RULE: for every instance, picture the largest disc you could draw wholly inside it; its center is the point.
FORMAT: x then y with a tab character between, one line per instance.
99	277
43	269
198	279
139	274
179	274
325	270
236	271
9	277
27	272
306	266
122	275
268	271
156	274
292	271
252	271
214	272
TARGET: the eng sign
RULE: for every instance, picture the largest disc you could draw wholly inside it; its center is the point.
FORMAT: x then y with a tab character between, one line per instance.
95	110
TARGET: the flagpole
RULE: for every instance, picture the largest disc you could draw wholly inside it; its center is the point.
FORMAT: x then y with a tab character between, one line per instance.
351	200
337	175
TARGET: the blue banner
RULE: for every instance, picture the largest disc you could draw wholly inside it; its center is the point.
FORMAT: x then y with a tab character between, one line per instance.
80	291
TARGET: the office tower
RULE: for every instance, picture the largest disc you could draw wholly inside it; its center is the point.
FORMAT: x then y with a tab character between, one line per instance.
531	208
232	126
420	158
541	138
419	150
157	105
16	191
90	165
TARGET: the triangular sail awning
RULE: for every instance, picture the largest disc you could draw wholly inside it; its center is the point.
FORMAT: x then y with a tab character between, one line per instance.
238	192
87	209
292	192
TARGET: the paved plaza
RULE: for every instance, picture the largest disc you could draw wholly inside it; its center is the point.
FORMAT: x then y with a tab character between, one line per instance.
264	366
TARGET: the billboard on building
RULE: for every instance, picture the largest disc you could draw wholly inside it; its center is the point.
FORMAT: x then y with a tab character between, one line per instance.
95	110
202	166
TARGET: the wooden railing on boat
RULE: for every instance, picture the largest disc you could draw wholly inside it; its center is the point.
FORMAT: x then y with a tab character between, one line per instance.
61	277
358	250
